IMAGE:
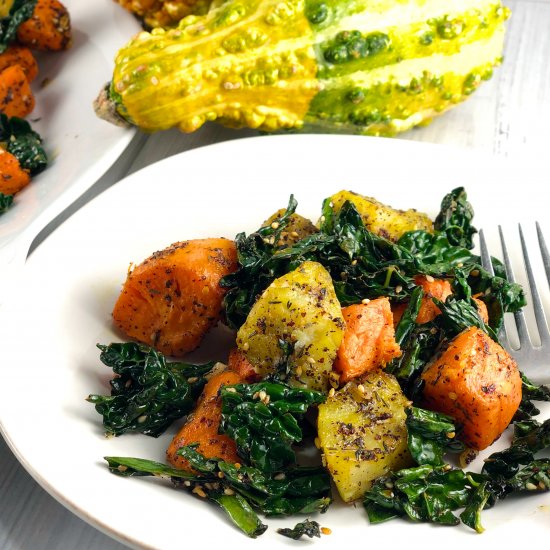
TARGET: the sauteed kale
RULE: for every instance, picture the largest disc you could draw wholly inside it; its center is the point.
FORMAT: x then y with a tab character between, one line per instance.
268	419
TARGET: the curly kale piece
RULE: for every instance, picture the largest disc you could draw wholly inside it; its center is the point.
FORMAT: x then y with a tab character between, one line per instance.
423	493
299	490
430	436
530	392
234	505
263	419
432	493
148	393
20	11
455	219
23	143
5	202
308	528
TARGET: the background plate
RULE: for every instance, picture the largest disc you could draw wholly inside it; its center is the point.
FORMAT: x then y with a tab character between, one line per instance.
81	147
49	362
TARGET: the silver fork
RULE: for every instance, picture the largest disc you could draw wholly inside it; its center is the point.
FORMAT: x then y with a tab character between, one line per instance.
534	359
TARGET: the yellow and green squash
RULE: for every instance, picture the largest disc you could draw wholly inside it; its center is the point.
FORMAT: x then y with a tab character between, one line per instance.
373	67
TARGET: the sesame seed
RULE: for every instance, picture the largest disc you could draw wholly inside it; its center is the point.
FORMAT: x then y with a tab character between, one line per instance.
227	491
256	395
295	234
311	360
361	388
354	262
452	395
187	483
323	219
154	80
298	371
198	490
193	379
280	476
246	346
430	279
262	395
141	419
230	390
398	289
275	225
530	486
365	301
326	531
317	442
331	392
237	465
122	468
221	475
451	435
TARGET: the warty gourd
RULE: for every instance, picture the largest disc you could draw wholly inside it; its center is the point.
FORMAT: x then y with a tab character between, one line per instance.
374	67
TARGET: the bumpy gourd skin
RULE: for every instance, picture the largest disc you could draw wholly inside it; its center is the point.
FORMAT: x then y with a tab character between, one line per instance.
164	13
357	66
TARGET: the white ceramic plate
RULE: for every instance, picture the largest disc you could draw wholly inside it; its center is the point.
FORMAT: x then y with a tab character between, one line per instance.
80	146
49	362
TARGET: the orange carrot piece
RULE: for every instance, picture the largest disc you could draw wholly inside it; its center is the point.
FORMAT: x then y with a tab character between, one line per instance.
238	363
369	339
12	177
16	97
476	382
18	55
202	426
173	298
49	27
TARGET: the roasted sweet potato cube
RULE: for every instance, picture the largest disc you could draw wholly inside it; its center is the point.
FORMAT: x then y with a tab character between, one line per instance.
202	426
476	382
369	339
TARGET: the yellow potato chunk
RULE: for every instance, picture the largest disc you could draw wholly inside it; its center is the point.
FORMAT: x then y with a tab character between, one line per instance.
382	219
362	433
296	325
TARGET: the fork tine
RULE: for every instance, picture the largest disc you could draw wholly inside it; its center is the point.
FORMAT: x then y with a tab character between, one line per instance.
487	264
521	325
484	254
535	297
544	252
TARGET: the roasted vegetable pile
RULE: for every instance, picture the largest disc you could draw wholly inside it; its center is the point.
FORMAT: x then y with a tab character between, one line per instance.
25	25
21	157
369	337
354	66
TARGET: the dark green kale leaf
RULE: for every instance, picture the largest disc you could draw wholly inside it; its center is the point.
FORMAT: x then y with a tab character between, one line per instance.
430	436
5	202
458	315
297	490
422	493
263	419
148	393
307	528
233	504
23	143
530	392
433	493
455	219
20	11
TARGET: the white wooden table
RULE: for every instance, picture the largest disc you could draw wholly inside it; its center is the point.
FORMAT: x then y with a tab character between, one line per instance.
510	116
